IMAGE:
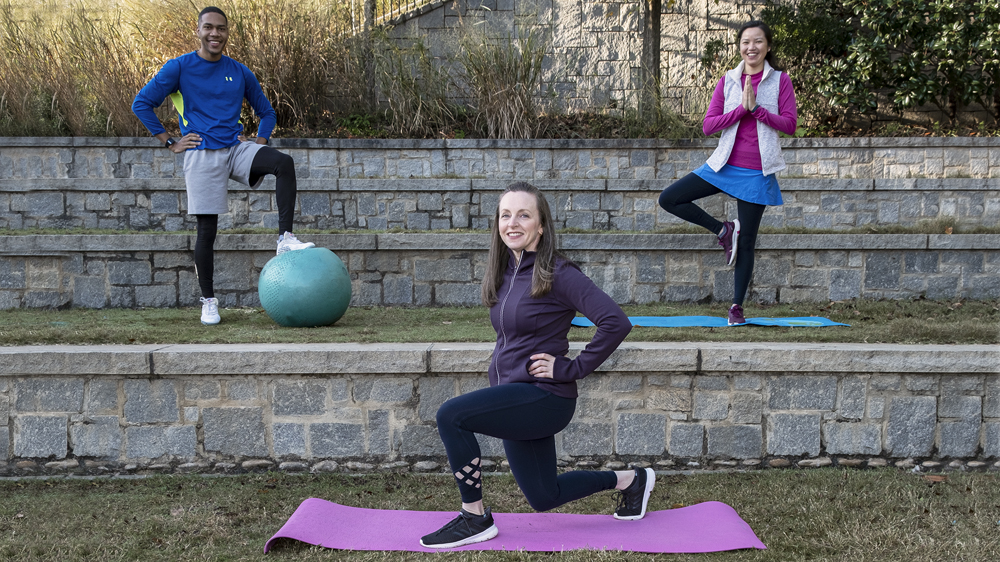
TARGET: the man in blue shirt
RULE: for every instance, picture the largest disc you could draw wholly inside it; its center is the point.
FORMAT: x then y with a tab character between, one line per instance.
208	89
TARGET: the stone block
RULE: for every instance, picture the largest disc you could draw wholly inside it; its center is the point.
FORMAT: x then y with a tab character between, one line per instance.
242	390
640	434
332	440
882	270
155	441
99	436
89	292
289	439
433	391
583	438
711	383
422	440
747	408
964	407
910	429
686	440
150	401
735	441
852	398
711	406
235	431
793	434
379	432
49	395
802	393
852	438
129	273
992	447
40	436
299	398
845	284
959	439
442	270
4	412
202	390
991	404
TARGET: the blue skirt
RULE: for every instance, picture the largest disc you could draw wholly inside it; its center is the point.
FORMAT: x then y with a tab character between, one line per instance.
743	184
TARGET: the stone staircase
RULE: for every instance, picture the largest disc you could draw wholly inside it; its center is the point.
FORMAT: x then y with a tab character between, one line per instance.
409	211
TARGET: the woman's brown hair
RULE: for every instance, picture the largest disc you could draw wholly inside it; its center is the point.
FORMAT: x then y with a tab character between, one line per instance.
499	257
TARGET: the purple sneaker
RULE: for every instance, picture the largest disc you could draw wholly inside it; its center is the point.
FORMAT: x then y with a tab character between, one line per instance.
728	238
736	315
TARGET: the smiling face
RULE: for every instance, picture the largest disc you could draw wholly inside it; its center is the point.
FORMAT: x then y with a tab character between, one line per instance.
753	49
519	222
213	32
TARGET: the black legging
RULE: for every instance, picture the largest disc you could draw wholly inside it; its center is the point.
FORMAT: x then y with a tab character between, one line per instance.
282	167
527	419
266	161
677	200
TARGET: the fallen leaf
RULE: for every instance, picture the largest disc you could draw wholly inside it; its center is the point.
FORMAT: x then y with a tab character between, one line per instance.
948	230
934	478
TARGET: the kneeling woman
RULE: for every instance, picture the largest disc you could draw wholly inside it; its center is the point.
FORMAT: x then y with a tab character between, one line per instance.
533	295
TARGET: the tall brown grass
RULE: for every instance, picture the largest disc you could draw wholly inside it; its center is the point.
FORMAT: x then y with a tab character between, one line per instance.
76	69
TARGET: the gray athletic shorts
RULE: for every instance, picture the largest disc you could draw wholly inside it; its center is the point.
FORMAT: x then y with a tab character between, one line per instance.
207	174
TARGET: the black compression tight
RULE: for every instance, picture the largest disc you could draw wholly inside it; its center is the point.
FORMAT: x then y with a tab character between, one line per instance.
527	419
282	167
204	255
678	201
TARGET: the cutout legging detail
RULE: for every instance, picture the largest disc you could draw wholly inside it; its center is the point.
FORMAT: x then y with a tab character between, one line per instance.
267	161
678	201
526	418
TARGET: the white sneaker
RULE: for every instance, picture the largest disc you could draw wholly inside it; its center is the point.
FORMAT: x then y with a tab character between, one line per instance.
288	242
210	311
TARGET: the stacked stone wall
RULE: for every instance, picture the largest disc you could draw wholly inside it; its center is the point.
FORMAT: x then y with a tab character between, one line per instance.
448	184
362	407
445	269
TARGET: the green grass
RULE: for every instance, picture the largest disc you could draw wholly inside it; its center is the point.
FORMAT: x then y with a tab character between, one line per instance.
896	321
816	514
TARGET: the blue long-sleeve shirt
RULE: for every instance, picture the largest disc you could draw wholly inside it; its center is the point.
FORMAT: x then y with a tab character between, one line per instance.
526	326
208	97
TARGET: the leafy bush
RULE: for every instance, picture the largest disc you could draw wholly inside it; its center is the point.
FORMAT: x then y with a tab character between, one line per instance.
937	52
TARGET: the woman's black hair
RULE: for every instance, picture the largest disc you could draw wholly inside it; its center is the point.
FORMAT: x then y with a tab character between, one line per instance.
769	57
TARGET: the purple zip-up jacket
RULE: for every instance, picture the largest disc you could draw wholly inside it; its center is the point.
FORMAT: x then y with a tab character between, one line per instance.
526	326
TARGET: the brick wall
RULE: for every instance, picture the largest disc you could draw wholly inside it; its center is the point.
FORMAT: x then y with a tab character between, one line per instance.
187	407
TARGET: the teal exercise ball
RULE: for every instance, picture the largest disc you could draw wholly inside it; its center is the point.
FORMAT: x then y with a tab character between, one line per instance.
305	288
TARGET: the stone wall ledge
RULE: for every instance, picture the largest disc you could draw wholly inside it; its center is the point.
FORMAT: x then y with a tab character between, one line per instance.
453	358
463	185
836	142
58	244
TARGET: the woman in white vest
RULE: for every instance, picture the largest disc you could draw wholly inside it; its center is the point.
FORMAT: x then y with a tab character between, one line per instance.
750	105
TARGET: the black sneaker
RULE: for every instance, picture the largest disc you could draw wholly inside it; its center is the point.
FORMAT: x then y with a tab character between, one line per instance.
467	528
632	500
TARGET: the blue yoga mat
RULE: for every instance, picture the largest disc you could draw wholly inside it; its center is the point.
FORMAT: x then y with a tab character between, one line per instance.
716	322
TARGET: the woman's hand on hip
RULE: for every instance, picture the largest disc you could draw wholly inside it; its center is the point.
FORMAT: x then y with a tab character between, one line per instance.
542	366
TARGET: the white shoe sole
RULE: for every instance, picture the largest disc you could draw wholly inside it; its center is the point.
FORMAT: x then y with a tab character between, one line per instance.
735	239
293	247
650	482
481	537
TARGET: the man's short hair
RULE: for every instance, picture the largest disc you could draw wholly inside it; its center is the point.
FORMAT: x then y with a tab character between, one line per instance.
213	10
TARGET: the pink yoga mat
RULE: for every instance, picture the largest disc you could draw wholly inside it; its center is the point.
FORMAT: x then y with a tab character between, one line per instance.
706	527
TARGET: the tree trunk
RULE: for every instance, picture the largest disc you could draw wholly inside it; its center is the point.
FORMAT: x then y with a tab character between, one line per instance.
649	96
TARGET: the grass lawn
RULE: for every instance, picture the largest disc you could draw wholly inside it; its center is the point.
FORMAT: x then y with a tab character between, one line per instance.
813	514
907	322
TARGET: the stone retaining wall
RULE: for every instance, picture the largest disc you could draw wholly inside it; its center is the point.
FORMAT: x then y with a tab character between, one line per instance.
132	183
157	270
201	407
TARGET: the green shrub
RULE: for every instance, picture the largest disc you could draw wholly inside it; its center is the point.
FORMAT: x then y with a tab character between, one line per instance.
938	52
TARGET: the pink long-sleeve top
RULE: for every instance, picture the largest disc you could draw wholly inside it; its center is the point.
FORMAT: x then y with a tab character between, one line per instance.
746	151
